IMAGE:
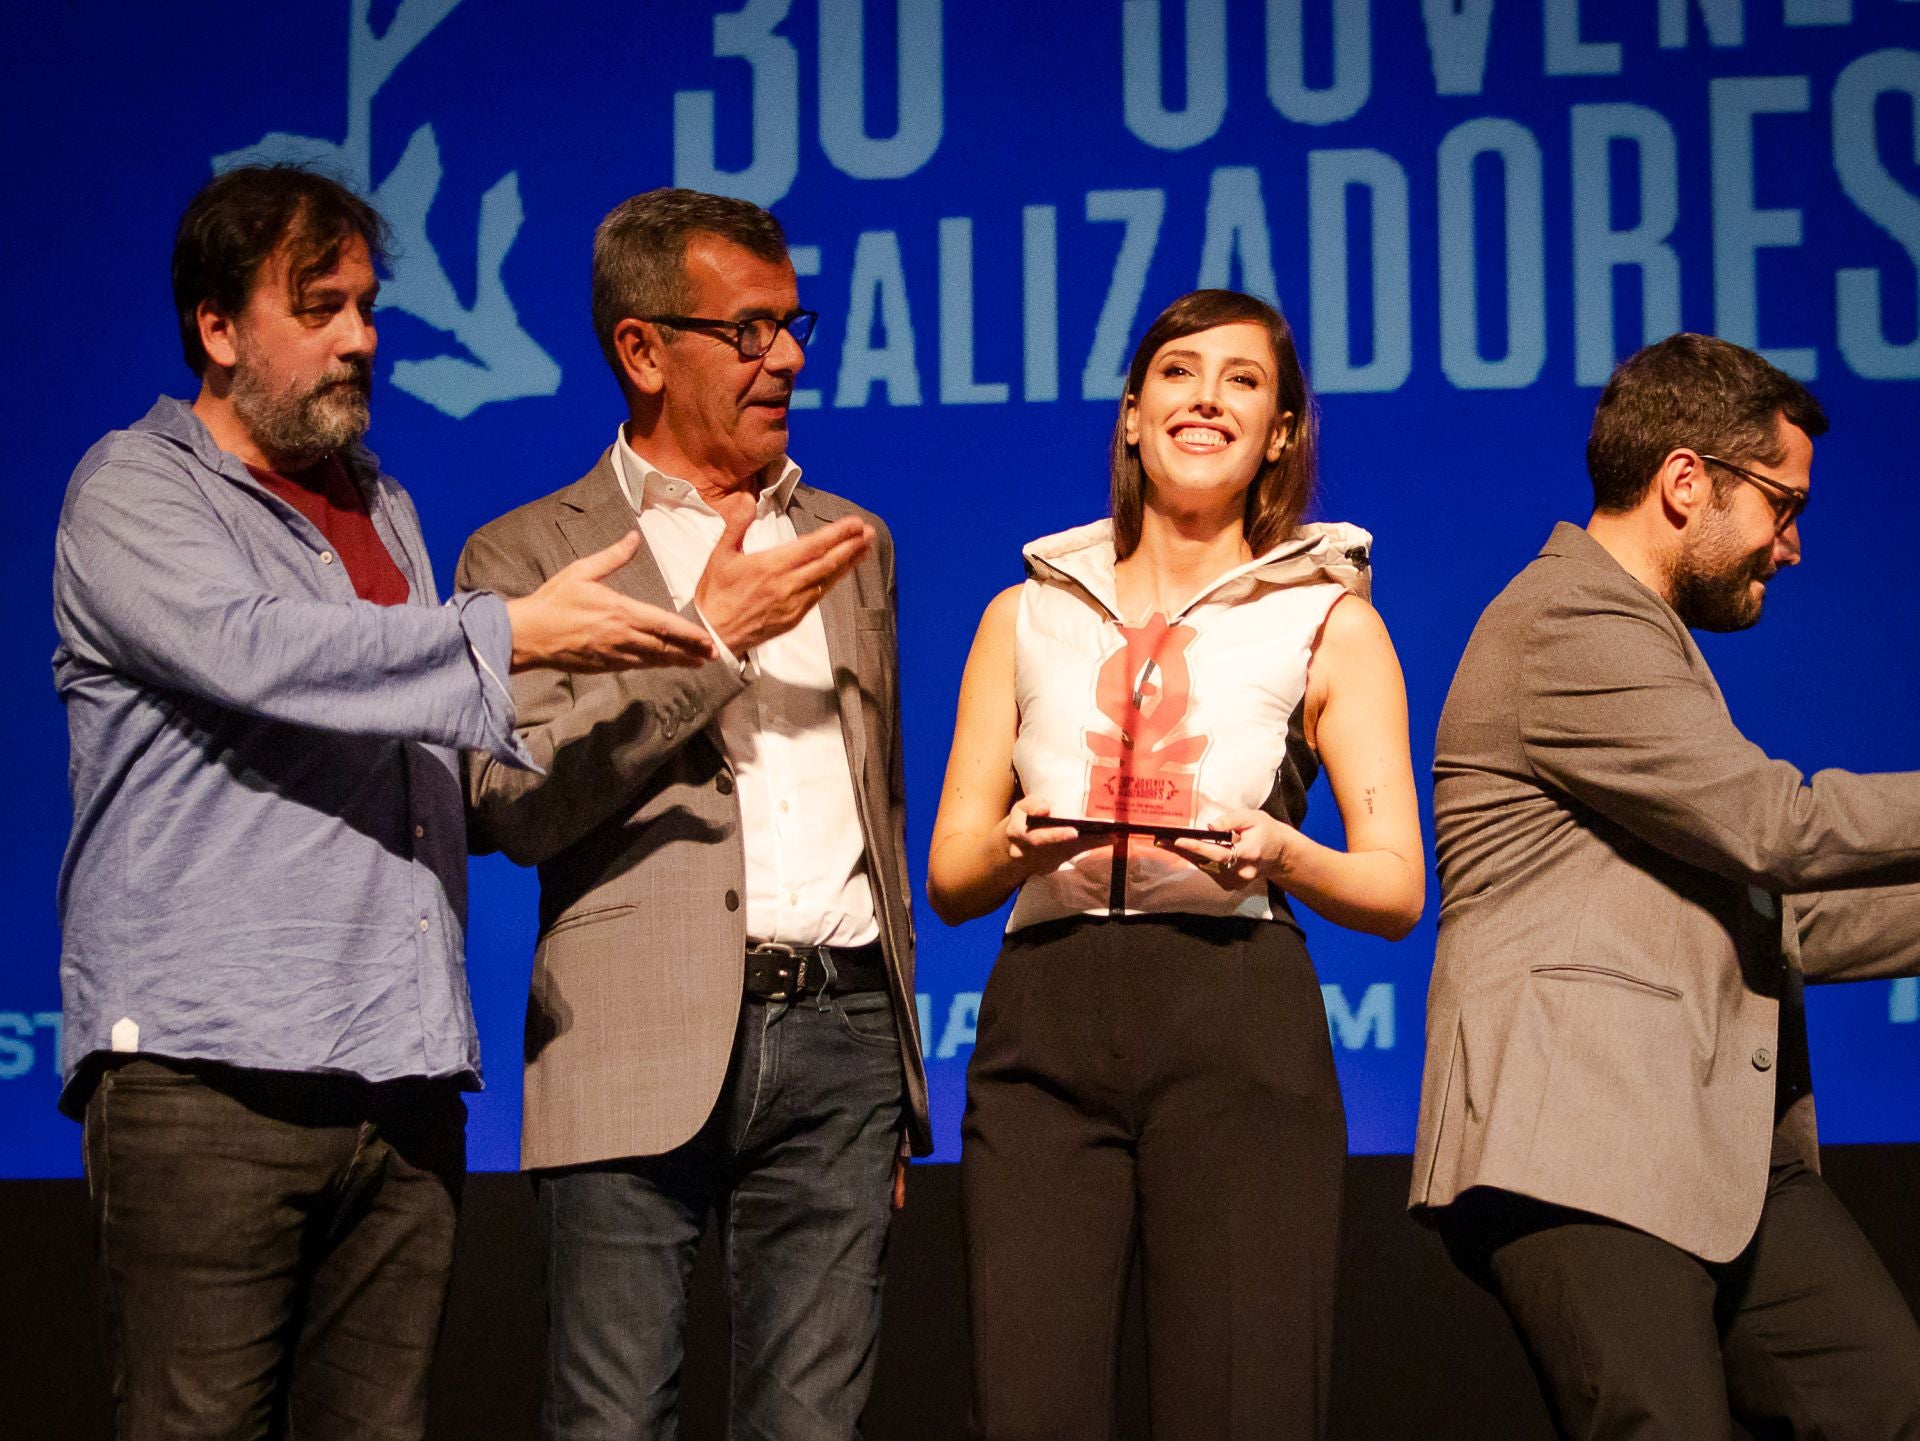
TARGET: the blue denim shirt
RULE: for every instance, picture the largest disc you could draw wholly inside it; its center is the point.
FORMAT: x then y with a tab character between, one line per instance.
268	859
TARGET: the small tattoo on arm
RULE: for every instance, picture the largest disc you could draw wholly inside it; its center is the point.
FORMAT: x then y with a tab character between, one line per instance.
1371	791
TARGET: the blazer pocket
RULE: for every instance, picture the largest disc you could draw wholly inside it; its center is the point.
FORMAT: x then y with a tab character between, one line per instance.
1603	974
576	919
569	961
873	617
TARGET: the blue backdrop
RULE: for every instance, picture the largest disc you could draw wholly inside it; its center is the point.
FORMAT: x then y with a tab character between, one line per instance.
1469	210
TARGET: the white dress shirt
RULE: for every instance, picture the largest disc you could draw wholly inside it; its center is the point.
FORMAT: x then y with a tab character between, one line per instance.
806	857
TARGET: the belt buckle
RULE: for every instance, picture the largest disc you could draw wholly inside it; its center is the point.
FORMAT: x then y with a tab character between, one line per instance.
798	980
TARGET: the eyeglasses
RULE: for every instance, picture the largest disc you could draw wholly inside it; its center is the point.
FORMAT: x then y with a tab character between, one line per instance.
751	338
1785	501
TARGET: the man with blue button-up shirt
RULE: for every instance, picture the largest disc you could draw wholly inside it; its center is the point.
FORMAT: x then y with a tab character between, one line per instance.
263	898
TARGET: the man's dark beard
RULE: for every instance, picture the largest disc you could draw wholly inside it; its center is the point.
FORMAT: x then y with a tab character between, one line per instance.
296	428
1719	598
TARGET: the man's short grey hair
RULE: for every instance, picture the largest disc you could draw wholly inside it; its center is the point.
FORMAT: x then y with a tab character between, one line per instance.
639	254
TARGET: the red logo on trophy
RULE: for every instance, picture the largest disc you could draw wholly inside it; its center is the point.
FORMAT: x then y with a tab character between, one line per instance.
1143	767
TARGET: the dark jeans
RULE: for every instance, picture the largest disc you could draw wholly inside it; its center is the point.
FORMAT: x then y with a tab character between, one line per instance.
273	1249
1803	1335
796	1161
1165	1082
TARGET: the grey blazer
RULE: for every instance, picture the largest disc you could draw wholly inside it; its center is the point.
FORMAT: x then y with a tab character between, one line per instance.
635	827
1632	895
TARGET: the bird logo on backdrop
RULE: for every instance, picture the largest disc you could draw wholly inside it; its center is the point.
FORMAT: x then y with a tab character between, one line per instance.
501	361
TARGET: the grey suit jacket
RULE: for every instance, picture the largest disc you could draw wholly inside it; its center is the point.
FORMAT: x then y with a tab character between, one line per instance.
638	969
1631	897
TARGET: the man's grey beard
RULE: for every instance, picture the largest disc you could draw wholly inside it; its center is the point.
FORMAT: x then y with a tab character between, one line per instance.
1712	590
294	427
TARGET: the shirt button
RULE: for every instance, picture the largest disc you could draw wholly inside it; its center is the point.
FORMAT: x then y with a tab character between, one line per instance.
724	784
792	899
419	831
783	808
326	557
733	900
1763	1059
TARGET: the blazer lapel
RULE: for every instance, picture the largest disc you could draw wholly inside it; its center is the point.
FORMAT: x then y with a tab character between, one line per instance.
838	613
594	514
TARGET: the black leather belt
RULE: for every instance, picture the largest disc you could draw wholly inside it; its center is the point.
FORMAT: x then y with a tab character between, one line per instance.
777	972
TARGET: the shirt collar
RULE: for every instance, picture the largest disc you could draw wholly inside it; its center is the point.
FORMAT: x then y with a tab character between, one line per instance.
1321	551
645	485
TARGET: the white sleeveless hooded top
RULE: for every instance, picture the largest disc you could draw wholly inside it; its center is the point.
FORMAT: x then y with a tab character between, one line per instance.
1169	721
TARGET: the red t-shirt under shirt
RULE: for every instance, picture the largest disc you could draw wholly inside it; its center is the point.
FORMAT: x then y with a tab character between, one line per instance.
327	496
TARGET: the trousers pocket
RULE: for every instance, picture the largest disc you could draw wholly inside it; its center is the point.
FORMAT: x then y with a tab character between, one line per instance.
868	1018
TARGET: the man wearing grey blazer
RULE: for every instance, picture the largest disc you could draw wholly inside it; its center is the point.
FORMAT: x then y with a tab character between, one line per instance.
721	1019
1616	1124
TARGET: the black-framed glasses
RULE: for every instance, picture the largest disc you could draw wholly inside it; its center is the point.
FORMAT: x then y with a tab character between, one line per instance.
751	338
1785	501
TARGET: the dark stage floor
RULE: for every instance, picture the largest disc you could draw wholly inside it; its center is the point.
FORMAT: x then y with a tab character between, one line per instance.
1421	1355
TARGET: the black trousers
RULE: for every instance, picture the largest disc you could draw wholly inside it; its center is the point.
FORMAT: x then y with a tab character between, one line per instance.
1803	1335
1165	1083
273	1250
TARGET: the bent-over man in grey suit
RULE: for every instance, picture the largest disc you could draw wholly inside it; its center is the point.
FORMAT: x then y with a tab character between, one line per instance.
1616	1125
722	1014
